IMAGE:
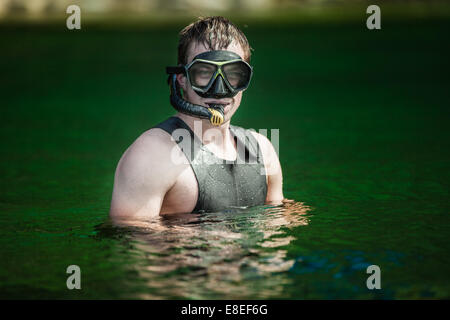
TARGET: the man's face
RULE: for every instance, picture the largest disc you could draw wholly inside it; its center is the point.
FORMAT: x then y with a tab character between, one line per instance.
230	104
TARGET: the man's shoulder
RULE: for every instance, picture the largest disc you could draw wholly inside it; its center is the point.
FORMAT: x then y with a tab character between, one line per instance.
266	147
151	148
250	131
154	141
260	138
261	142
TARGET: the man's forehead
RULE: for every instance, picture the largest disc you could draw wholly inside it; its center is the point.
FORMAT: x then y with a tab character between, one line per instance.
195	48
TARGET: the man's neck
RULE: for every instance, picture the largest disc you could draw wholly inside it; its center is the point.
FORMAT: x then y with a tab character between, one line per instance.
217	138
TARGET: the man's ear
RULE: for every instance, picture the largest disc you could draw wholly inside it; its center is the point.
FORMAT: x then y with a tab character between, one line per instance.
182	81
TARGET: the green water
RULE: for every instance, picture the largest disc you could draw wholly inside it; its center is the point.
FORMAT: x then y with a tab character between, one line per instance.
364	143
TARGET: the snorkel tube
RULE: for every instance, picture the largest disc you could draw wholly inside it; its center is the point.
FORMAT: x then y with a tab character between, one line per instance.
214	113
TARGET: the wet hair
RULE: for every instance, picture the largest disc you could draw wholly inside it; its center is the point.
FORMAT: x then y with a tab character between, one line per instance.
215	33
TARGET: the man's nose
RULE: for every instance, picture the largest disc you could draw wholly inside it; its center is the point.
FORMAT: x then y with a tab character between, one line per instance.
219	89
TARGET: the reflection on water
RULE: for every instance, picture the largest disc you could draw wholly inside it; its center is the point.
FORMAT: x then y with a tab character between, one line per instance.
212	255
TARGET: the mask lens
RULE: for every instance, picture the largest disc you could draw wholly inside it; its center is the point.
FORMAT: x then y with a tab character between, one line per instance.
238	74
201	73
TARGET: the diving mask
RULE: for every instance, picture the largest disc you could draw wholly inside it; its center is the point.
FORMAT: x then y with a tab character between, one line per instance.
212	74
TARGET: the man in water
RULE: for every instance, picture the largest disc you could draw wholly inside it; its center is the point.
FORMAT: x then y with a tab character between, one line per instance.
224	166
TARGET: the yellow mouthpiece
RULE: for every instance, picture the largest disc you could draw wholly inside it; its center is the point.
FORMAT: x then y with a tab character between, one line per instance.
216	117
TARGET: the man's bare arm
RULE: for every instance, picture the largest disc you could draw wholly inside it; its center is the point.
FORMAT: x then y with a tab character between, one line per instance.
273	170
143	177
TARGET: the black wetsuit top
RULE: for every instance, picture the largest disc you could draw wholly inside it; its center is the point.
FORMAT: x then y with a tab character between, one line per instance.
222	183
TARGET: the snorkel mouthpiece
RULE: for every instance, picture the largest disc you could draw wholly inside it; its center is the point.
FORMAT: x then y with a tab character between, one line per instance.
216	118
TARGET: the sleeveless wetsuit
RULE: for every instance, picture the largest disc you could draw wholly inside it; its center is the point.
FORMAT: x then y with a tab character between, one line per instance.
222	183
